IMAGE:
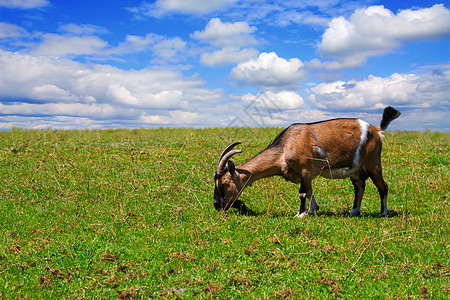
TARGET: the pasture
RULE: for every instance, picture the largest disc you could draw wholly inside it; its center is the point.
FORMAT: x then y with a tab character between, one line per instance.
128	214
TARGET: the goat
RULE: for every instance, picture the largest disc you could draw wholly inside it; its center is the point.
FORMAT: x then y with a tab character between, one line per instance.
337	148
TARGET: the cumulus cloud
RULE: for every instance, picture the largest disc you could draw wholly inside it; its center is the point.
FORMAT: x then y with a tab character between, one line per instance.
376	31
169	49
40	77
284	100
50	92
428	90
43	74
50	86
226	34
230	38
228	56
269	71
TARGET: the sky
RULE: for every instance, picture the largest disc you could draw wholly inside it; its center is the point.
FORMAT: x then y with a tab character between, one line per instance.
196	63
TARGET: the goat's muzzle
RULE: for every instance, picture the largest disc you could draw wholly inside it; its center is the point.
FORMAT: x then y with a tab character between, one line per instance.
222	206
218	198
218	205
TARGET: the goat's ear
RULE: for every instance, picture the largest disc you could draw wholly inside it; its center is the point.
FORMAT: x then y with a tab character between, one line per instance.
231	168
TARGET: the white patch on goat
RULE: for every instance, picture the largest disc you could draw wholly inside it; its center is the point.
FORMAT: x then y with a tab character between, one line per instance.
364	131
343	172
301	215
322	153
340	173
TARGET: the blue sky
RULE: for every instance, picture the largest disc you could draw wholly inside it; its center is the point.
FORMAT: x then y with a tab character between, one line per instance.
195	63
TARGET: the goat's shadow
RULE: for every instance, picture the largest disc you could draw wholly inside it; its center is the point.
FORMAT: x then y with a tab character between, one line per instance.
245	211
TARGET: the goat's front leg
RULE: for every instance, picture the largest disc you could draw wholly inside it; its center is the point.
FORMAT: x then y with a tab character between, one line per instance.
305	192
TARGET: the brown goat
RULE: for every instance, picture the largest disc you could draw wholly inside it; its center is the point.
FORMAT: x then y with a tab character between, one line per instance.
338	148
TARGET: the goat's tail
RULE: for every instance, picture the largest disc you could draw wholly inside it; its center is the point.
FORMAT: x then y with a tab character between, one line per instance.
389	114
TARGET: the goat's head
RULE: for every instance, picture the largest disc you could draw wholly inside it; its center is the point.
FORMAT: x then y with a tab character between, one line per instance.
226	180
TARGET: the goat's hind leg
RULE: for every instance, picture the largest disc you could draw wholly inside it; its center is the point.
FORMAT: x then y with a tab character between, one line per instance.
359	184
313	206
377	178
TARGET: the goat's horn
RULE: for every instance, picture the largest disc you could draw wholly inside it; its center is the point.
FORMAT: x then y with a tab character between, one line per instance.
228	149
223	161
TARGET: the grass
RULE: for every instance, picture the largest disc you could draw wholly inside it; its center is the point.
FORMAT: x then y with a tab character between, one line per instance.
128	214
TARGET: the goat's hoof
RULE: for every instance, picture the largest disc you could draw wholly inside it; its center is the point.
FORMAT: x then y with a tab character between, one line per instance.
313	210
354	212
353	215
383	214
301	215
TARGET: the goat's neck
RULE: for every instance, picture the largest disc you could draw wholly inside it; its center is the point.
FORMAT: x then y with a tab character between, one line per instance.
265	164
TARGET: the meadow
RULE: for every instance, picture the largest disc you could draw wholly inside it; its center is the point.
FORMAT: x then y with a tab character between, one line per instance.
128	213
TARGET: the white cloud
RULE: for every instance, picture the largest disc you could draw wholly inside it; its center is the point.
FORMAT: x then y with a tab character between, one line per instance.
52	87
27	72
50	92
63	45
154	119
77	110
24	4
376	31
163	7
191	6
269	71
169	49
176	117
42	80
79	40
227	56
428	90
120	94
284	100
184	117
165	49
166	99
134	43
349	62
83	29
226	34
230	37
12	31
289	17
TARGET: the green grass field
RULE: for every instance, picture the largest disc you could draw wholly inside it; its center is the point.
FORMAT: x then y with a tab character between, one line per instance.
128	214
